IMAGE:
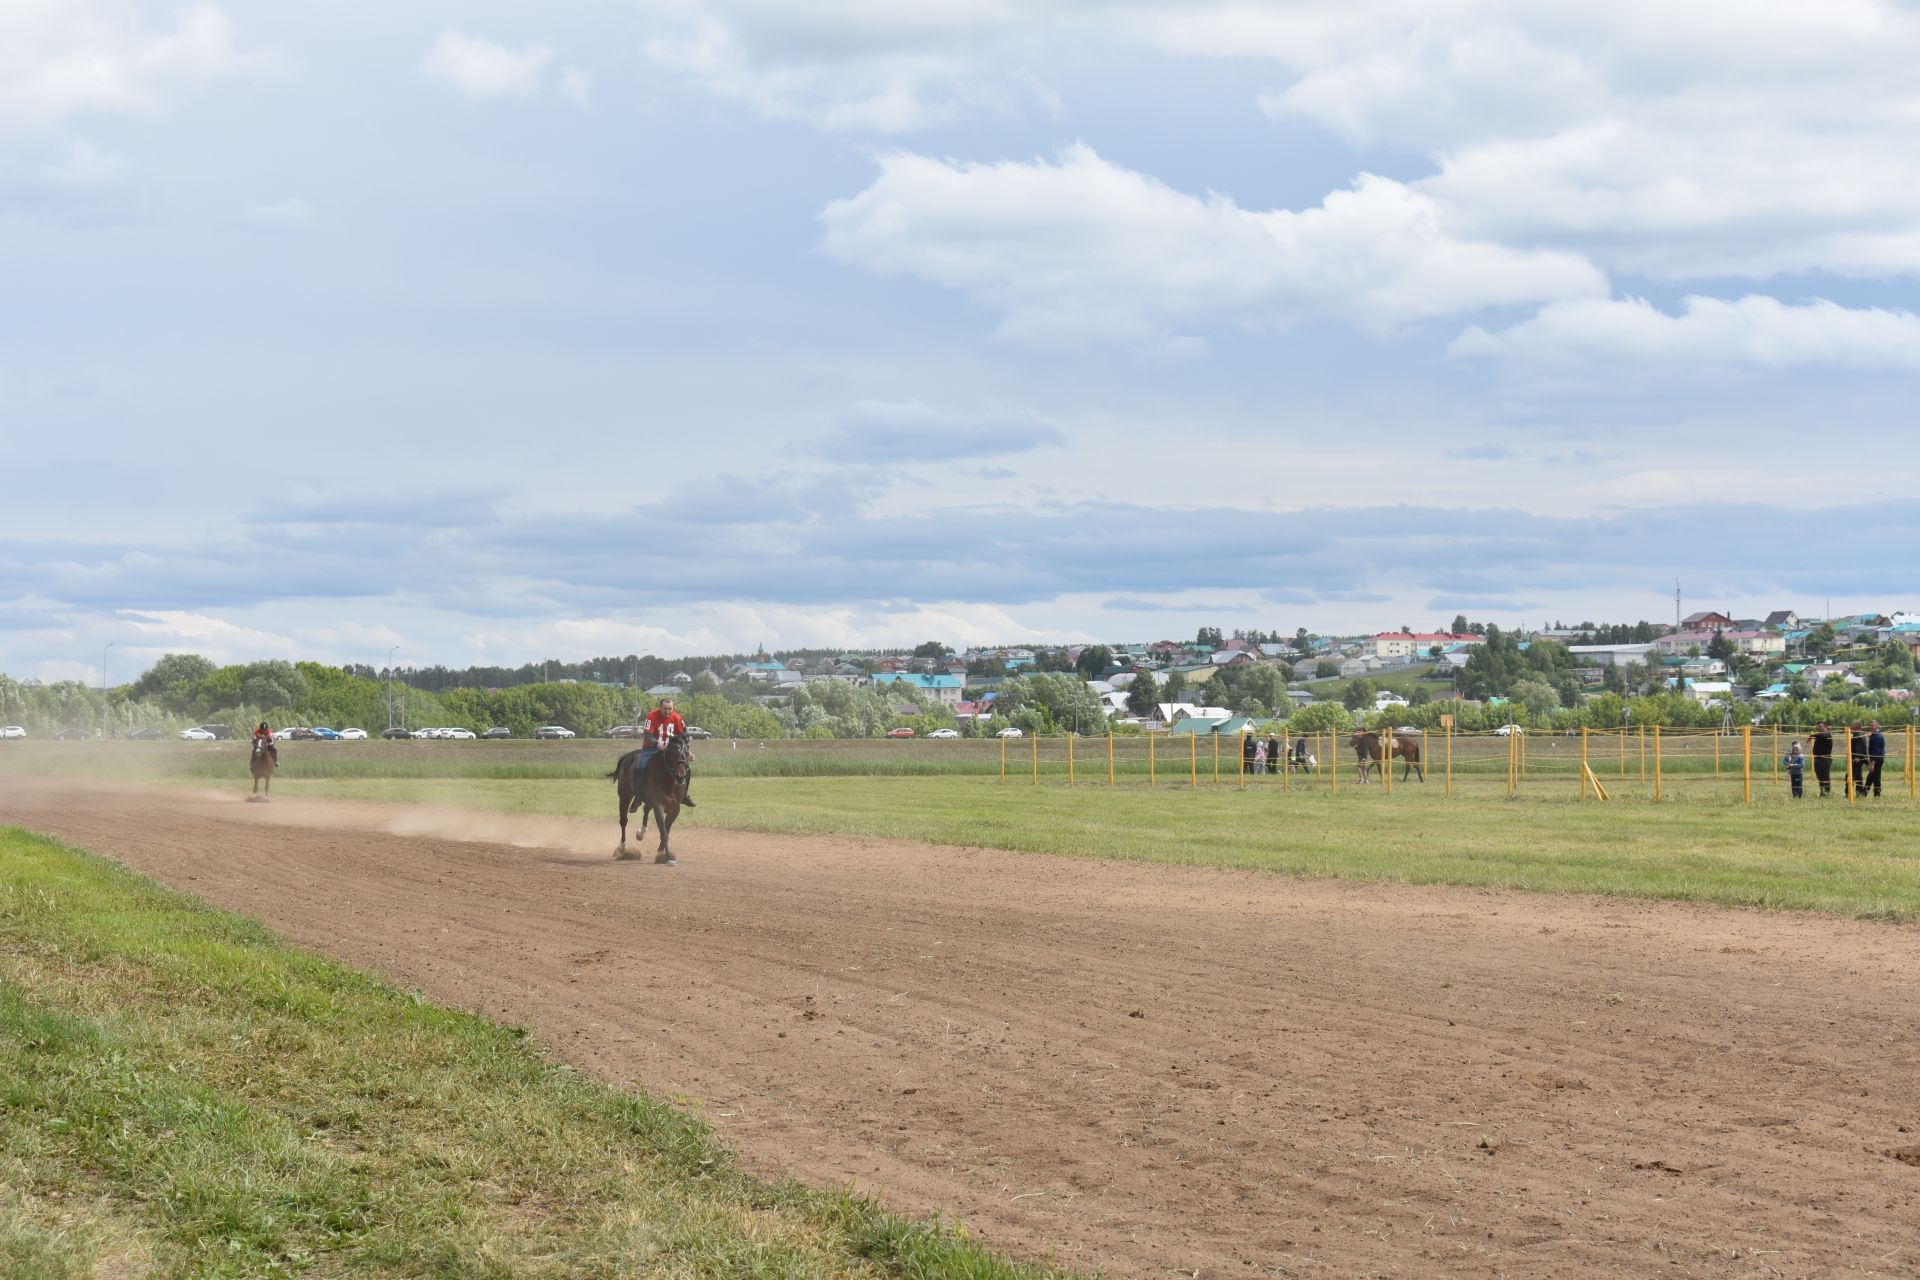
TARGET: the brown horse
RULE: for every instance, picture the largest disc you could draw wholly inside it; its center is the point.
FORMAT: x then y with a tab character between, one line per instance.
262	764
655	791
1366	749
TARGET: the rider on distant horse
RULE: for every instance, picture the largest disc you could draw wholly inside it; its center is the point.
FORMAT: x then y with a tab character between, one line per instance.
264	734
663	724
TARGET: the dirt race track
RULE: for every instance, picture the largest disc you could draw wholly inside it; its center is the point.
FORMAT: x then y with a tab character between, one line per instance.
1148	1070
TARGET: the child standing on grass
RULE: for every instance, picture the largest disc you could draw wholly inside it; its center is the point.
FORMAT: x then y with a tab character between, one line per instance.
1796	764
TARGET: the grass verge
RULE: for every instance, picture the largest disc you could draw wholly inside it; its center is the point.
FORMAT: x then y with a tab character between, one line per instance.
182	1095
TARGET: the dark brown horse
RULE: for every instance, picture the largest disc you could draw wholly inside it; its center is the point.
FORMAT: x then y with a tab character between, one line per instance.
654	790
1366	749
261	765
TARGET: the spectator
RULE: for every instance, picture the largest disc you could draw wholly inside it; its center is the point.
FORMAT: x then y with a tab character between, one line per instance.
1796	767
1876	758
1823	758
1259	756
1857	755
1246	752
1276	762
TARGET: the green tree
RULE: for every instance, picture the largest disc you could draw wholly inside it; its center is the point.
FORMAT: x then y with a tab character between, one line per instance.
172	680
931	649
1318	717
1094	661
1324	670
1359	695
1143	694
1175	687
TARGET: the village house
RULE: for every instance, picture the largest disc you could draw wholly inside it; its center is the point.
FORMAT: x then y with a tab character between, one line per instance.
1416	644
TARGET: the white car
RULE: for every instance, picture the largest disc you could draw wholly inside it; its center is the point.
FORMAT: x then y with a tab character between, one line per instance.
457	733
12	731
944	733
426	733
1011	731
353	735
553	731
195	735
1506	729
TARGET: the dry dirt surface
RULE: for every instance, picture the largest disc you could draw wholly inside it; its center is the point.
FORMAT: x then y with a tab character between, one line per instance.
1147	1070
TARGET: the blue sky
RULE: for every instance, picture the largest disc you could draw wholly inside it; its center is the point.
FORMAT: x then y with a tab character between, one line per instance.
496	332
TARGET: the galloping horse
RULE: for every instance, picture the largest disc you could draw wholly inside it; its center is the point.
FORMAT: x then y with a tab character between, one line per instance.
262	765
1366	749
654	790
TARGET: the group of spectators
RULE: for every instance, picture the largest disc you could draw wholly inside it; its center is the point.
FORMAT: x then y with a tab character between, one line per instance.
1258	755
1866	757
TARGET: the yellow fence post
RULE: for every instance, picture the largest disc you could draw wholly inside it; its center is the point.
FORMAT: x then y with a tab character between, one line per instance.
1243	758
1583	762
1656	762
1513	759
1109	757
1643	752
1035	740
1623	751
1070	778
1849	759
1716	753
1003	759
1286	766
1449	728
1912	757
1216	759
1193	759
1776	755
1149	759
1333	765
1746	762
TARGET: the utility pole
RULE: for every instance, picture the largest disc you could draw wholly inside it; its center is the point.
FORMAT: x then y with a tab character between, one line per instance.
1676	604
390	654
103	686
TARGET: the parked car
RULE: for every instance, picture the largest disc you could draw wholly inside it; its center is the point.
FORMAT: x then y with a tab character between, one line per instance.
353	735
424	734
624	731
395	733
1506	729
221	731
465	735
297	734
195	735
698	734
137	735
498	731
944	733
72	735
901	732
325	734
12	731
1011	731
553	731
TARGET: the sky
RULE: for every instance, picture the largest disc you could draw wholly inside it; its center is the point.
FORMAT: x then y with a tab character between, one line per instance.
486	332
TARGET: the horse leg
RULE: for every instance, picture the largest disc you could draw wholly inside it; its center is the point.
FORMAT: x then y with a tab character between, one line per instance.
626	799
668	812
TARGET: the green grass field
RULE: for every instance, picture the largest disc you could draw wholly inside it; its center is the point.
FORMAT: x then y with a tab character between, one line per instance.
182	1096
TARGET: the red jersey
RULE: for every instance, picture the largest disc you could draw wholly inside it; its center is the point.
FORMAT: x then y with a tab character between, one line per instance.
662	725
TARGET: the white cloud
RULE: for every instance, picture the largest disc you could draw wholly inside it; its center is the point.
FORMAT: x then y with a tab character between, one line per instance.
83	167
1083	248
576	86
59	58
481	70
291	212
1754	331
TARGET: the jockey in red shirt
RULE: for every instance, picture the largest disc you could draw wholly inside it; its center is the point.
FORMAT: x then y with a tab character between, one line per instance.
663	724
265	734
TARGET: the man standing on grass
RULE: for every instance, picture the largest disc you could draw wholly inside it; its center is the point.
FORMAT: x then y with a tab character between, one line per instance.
1823	758
1857	755
1876	758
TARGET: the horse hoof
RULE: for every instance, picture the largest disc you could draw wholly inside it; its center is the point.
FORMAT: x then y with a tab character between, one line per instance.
666	860
622	855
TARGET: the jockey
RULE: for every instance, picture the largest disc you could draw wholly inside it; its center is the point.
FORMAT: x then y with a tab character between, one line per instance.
264	734
663	724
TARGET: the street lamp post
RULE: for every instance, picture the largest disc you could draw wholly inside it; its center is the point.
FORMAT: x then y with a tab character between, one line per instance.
390	654
103	685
